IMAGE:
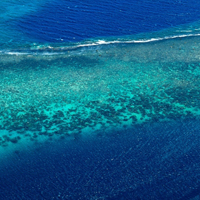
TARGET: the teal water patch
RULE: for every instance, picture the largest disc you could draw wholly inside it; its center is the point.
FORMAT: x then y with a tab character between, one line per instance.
97	89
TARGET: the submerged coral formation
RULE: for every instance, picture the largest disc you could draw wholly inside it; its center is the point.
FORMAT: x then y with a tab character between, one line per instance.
96	88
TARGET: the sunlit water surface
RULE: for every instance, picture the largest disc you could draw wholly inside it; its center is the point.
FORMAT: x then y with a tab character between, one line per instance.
98	117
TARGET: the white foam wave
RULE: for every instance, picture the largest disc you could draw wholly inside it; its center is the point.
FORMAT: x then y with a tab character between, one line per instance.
103	42
51	50
29	53
14	53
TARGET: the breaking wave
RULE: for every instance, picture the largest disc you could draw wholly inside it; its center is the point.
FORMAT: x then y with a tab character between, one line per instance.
52	49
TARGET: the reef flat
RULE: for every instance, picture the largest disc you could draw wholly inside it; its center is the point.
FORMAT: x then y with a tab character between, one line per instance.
94	89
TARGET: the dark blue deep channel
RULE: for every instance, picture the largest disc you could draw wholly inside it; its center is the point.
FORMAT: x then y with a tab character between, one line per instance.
64	21
154	161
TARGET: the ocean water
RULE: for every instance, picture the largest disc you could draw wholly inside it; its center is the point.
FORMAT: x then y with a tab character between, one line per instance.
99	100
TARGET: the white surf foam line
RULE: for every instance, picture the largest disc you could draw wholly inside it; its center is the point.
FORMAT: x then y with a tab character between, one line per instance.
102	42
30	53
50	50
14	53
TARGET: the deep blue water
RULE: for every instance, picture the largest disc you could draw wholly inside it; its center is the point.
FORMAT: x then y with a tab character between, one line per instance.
63	21
157	161
152	160
78	20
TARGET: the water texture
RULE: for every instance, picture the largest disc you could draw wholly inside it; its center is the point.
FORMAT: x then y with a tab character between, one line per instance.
99	88
99	101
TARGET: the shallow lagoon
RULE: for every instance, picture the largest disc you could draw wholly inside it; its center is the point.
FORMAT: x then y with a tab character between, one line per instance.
106	121
104	118
63	93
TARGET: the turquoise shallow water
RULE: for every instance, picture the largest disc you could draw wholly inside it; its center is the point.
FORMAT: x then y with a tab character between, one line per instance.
55	92
96	110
